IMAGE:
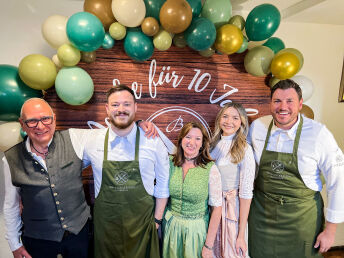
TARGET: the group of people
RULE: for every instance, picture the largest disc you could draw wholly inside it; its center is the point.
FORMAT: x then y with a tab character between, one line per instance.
243	192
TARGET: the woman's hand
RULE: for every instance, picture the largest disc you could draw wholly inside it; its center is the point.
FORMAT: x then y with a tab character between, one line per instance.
240	246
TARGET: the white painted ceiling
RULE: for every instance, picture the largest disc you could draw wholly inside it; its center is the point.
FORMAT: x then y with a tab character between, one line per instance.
304	11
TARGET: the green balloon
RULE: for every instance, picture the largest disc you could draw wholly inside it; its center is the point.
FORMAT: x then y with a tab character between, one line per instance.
273	80
196	7
13	93
257	61
295	52
22	133
68	55
208	52
262	22
217	11
37	71
74	85
117	31
243	46
179	40
238	21
275	44
162	40
153	8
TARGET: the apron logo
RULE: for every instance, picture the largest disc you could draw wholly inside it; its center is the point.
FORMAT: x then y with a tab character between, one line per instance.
121	178
277	166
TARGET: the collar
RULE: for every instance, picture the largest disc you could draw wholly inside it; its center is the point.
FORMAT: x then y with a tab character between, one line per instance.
130	137
28	146
228	137
291	132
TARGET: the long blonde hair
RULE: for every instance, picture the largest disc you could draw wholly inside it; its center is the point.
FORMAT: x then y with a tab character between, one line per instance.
239	144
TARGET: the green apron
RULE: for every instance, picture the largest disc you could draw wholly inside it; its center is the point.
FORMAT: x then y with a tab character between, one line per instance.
123	211
285	216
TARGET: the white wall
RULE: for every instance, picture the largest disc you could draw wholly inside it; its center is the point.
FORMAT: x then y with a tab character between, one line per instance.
321	45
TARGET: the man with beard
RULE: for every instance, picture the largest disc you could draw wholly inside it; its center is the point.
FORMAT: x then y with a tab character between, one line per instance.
286	216
129	205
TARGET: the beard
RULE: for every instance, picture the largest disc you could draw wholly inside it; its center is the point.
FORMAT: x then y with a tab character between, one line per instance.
122	125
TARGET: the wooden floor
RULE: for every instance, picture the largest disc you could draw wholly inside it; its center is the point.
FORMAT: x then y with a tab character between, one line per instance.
335	253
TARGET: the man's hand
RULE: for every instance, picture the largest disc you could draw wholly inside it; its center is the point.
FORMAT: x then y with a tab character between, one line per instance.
149	128
21	253
326	238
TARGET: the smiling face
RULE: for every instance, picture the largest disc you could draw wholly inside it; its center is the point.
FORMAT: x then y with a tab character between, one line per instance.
285	106
121	109
230	121
192	142
42	133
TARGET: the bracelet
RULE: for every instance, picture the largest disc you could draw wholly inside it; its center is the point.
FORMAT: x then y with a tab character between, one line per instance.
210	248
158	221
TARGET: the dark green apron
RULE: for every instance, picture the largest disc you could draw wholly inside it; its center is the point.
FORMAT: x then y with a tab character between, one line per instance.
123	211
285	216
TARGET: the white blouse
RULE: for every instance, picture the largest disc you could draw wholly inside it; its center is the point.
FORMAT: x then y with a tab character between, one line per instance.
235	176
215	190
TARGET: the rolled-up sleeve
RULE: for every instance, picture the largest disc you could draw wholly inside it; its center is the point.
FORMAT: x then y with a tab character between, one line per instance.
331	163
161	168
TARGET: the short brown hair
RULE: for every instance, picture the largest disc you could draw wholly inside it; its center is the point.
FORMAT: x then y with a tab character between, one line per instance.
287	84
118	88
204	157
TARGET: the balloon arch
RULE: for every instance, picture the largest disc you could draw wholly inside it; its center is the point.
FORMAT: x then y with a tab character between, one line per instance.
145	26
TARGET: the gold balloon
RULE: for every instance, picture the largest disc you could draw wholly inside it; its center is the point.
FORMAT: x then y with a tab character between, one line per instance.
101	9
307	111
229	39
150	26
88	57
175	16
285	65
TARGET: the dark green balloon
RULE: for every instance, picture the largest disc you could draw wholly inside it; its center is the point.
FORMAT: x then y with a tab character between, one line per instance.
262	22
137	45
196	6
275	44
201	34
153	8
13	93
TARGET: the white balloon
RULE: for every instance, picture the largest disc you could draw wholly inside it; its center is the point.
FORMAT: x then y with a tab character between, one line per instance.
54	30
306	86
129	13
9	135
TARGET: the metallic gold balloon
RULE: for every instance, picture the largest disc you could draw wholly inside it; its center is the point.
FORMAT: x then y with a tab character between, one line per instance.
101	9
285	65
295	52
150	26
307	111
175	16
88	57
229	39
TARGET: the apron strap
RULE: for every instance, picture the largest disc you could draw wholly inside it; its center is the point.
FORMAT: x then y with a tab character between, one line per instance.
137	143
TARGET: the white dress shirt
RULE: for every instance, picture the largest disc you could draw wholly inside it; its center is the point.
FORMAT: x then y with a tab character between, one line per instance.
235	176
153	158
317	153
12	217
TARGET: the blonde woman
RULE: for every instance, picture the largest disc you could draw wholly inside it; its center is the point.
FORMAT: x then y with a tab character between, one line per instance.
235	160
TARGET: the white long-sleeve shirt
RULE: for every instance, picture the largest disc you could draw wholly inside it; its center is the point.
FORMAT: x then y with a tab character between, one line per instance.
153	158
317	153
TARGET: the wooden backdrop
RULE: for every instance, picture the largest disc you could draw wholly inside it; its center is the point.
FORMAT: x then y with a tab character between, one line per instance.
173	87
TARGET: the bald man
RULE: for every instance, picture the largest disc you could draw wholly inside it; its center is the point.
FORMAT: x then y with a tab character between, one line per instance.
44	172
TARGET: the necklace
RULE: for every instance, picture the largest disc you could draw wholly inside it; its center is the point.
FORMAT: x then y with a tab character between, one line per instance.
42	153
189	159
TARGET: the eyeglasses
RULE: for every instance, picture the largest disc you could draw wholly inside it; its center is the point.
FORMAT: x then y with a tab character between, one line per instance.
33	123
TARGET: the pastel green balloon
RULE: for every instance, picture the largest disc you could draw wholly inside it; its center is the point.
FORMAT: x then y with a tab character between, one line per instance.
273	80
13	93
275	44
162	40
117	31
243	46
208	52
179	40
37	71
68	55
74	85
218	11
238	21
257	61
